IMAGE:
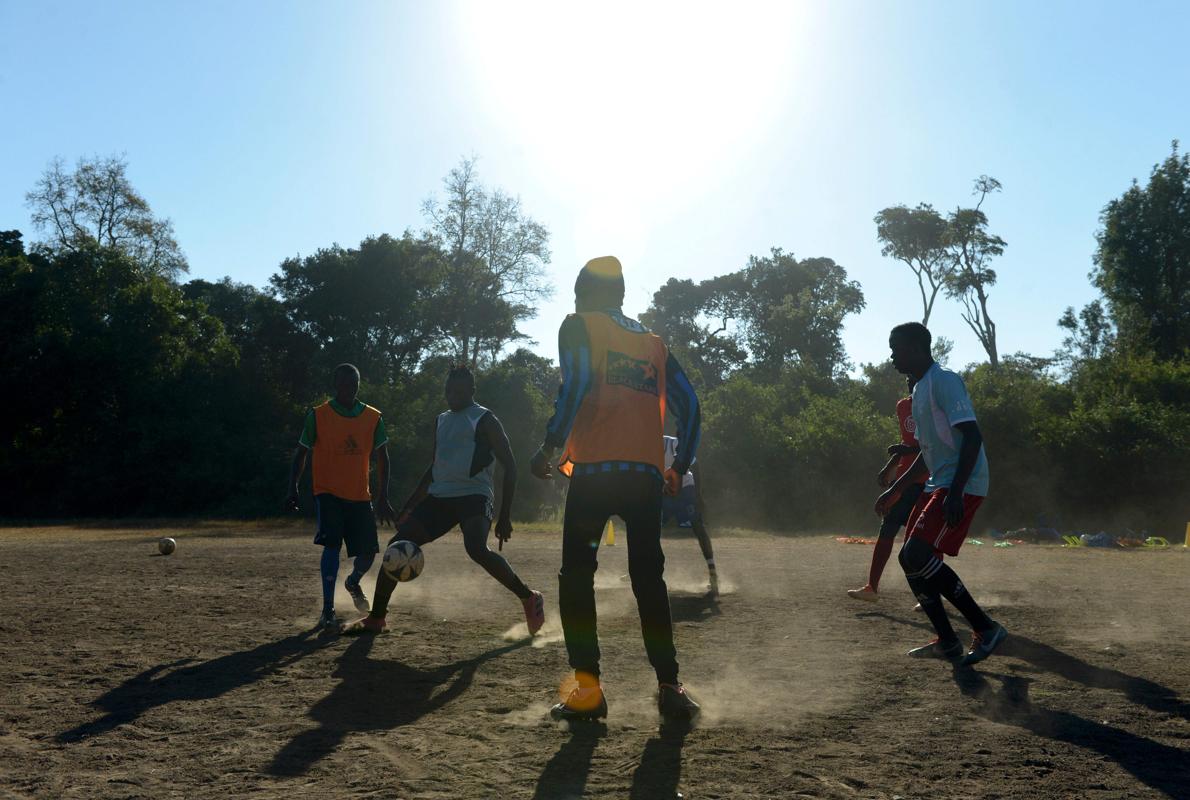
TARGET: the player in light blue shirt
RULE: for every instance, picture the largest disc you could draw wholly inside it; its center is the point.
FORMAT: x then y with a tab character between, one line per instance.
940	405
952	454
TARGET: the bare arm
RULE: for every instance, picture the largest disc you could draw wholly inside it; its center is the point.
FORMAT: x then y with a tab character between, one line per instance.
498	441
296	468
916	473
968	456
384	509
882	477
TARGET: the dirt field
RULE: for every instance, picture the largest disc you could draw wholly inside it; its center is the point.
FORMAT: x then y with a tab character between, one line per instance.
198	675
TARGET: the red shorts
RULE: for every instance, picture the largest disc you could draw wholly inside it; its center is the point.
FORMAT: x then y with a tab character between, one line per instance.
928	522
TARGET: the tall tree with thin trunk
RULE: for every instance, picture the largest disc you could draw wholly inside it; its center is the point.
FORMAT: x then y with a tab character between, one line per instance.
97	205
971	248
489	229
917	238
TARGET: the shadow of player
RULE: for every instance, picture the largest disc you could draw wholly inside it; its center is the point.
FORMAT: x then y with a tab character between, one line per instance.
376	695
1141	691
660	768
1157	765
693	607
1044	657
921	623
174	682
565	774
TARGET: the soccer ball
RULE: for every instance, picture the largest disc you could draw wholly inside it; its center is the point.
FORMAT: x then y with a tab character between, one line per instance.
165	545
403	560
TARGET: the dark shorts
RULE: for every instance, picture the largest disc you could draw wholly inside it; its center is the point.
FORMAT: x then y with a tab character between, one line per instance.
348	521
434	517
899	514
683	507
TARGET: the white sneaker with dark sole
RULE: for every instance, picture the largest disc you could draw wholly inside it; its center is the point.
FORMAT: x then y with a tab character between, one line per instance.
938	649
866	593
357	596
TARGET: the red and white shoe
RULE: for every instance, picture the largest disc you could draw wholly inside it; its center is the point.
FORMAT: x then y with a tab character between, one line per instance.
367	624
534	611
866	593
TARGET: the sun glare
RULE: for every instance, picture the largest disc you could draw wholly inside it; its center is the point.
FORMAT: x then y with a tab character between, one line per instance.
626	106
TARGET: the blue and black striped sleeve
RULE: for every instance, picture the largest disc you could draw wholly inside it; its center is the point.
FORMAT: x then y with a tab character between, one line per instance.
574	356
683	402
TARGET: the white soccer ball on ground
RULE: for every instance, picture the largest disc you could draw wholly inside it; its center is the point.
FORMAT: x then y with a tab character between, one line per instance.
166	545
403	560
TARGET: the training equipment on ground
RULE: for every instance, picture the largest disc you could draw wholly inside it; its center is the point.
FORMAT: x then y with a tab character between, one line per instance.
610	531
403	560
166	545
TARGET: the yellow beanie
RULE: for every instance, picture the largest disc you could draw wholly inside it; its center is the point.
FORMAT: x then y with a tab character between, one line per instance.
604	267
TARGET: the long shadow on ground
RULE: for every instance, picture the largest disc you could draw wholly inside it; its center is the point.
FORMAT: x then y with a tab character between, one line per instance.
375	695
1157	765
1141	691
1044	657
565	774
693	607
660	768
175	682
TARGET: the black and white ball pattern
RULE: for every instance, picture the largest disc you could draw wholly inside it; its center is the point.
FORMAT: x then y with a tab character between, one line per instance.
403	560
165	545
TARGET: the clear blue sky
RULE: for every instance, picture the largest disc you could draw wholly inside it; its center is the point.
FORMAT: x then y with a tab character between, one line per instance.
682	140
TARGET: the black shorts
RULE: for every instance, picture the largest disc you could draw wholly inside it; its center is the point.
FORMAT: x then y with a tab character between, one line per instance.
898	515
434	517
348	521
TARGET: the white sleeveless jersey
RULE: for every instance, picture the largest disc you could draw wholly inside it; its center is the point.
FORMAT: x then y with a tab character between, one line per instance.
671	451
463	461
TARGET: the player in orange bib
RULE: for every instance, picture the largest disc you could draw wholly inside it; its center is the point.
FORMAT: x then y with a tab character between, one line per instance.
901	458
617	381
342	434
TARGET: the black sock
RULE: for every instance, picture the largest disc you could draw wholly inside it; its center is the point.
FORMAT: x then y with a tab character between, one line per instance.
931	604
946	582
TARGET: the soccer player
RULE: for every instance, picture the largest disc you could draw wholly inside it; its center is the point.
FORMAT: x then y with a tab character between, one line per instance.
952	454
456	489
686	508
343	433
901	456
617	381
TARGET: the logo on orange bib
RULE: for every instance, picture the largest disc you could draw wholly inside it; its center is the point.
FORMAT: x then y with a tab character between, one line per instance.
632	373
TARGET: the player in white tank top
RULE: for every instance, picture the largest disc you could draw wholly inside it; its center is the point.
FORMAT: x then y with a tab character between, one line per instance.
686	507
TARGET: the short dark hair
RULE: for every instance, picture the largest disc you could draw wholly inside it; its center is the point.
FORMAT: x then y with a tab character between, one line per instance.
461	372
914	332
339	370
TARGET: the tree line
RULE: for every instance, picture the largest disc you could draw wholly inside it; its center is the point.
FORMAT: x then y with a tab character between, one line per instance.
134	391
